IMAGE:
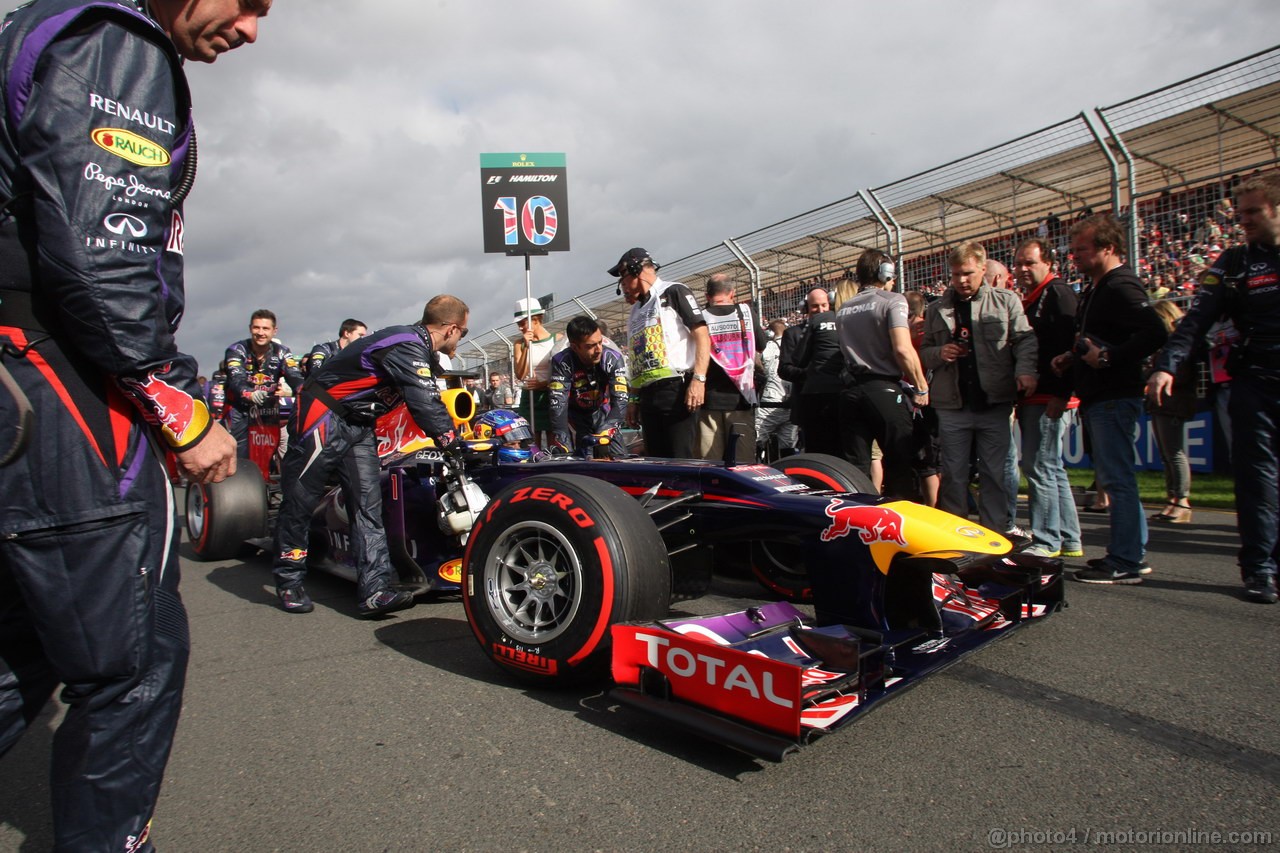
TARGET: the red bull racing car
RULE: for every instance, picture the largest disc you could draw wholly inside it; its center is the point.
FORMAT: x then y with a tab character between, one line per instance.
568	569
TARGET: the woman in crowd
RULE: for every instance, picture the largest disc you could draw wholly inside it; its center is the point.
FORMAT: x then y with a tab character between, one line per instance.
1168	419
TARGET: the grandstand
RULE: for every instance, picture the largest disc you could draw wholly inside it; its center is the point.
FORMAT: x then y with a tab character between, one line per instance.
1171	155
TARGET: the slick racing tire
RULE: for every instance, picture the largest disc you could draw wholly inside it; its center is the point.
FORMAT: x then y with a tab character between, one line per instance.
552	563
221	516
778	565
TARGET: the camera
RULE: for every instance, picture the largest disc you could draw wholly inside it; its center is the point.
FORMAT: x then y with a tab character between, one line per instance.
1081	346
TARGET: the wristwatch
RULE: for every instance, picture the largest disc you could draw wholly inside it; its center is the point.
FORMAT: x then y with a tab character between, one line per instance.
701	377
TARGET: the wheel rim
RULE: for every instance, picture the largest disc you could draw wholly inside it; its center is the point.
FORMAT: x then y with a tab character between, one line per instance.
533	582
195	512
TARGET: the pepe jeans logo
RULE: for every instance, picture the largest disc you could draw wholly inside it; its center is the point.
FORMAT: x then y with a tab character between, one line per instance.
130	146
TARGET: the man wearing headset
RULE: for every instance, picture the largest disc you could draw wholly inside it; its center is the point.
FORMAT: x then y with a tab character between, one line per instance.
94	98
875	336
668	350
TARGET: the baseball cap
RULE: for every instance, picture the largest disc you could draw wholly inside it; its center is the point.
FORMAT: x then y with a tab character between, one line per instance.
528	308
632	257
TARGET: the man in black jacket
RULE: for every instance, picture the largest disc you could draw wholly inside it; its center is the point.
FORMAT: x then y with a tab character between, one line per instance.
1050	306
1243	285
816	403
1116	329
91	289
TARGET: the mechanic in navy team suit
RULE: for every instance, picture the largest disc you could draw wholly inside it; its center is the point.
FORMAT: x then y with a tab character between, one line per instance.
333	425
349	331
588	391
668	350
255	367
93	98
1243	285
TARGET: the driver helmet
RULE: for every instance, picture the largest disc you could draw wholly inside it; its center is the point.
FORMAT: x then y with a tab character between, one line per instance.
508	428
514	454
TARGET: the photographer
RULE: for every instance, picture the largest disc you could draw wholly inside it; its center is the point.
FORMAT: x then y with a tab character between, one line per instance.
1116	329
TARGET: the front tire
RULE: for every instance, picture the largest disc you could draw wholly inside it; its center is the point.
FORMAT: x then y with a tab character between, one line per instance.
776	564
553	562
221	516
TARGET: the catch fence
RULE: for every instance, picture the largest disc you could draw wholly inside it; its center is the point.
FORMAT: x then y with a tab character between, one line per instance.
1165	162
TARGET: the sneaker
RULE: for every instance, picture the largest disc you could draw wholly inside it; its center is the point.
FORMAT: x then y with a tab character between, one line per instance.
1144	568
294	599
1260	590
1041	551
1018	536
386	601
1073	551
1109	573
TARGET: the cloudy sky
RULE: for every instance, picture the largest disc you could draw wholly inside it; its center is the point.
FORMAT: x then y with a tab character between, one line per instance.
339	156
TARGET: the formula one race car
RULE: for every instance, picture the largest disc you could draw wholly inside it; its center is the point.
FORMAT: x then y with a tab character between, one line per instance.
563	561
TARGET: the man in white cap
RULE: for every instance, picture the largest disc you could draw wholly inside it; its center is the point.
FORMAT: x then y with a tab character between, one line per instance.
533	351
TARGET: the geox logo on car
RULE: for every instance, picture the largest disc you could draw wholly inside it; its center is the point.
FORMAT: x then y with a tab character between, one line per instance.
873	523
130	146
521	659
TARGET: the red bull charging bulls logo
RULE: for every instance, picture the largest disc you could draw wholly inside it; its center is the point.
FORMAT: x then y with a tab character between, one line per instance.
873	523
174	408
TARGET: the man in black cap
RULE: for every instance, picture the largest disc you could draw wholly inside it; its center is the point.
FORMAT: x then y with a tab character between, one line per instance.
668	350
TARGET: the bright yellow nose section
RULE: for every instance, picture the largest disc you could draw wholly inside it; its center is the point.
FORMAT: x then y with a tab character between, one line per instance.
898	527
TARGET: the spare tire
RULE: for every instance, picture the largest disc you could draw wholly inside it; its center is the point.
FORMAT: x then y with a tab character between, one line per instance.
221	516
775	564
553	562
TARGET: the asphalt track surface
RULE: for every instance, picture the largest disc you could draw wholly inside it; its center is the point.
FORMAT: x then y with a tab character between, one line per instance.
1150	711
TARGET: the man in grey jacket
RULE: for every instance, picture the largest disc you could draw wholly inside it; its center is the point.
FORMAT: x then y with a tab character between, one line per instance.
982	352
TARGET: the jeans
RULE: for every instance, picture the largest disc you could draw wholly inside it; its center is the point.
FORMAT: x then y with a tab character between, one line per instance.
1255	424
961	432
1112	426
1050	504
1171	438
1011	477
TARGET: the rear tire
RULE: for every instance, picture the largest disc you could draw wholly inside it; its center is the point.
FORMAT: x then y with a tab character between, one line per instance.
555	561
221	516
775	564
